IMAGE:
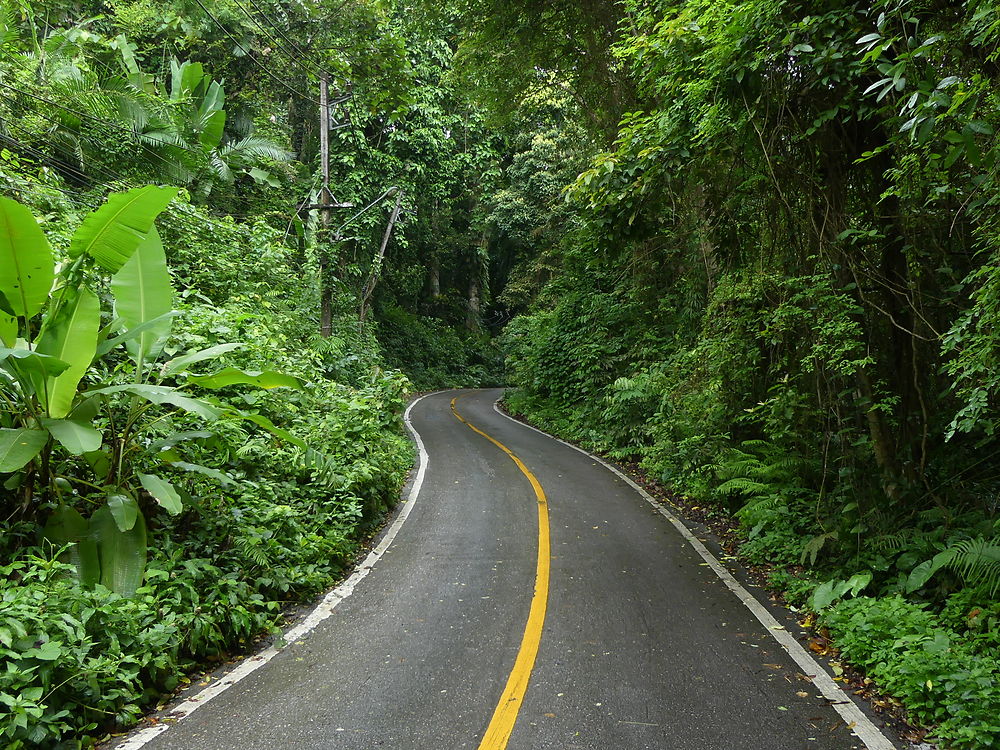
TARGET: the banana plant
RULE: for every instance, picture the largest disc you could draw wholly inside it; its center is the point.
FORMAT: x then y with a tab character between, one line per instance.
53	351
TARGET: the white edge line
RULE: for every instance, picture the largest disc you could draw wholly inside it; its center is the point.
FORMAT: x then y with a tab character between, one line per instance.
849	711
319	613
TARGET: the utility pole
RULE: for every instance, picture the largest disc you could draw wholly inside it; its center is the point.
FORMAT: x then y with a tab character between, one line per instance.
326	203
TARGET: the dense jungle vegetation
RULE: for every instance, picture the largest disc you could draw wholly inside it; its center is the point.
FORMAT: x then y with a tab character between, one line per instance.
751	245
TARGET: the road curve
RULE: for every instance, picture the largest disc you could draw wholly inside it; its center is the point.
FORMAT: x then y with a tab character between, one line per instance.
641	645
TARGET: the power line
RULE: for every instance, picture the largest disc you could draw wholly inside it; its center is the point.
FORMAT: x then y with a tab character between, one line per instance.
124	182
301	56
115	176
277	28
62	166
360	139
75	195
135	136
253	59
304	57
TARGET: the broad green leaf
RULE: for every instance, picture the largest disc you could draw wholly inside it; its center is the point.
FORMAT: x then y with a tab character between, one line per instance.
86	409
26	265
214	99
261	176
18	446
923	572
232	376
122	553
31	362
162	394
124	509
267	424
8	329
112	233
219	476
824	596
108	344
215	124
858	581
32	370
48	651
67	526
72	338
177	364
99	462
76	437
163	492
142	81
191	75
143	293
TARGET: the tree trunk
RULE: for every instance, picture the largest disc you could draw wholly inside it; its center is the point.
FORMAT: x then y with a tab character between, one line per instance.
434	277
472	321
828	222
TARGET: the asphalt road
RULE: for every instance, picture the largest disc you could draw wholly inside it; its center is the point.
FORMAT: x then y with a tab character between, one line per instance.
642	645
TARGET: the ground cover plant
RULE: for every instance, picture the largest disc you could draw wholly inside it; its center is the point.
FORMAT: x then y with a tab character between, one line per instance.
161	526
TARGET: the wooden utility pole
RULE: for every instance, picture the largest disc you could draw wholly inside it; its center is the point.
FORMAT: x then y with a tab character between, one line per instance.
326	207
377	264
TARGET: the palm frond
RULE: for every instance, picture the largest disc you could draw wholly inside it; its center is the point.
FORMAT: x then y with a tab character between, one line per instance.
219	168
255	148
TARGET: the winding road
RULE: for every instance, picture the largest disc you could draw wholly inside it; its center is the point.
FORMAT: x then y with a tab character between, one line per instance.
527	597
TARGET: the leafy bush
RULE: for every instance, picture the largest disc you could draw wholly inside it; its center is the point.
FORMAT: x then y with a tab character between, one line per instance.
281	530
265	516
434	354
936	673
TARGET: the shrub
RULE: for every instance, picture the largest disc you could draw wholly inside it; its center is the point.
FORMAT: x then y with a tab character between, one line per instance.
935	672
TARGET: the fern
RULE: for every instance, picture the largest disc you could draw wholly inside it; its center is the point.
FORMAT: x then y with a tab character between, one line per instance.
744	485
977	562
892	542
252	549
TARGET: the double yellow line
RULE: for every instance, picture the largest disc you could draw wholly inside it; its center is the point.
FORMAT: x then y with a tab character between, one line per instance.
502	724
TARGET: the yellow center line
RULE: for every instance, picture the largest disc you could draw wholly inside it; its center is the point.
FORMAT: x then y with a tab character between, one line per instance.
502	724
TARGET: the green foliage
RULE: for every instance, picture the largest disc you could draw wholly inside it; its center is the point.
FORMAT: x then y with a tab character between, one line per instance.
435	355
975	561
44	371
81	660
169	397
937	674
832	591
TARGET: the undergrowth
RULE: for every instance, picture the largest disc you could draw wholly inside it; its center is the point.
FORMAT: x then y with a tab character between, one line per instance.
265	522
